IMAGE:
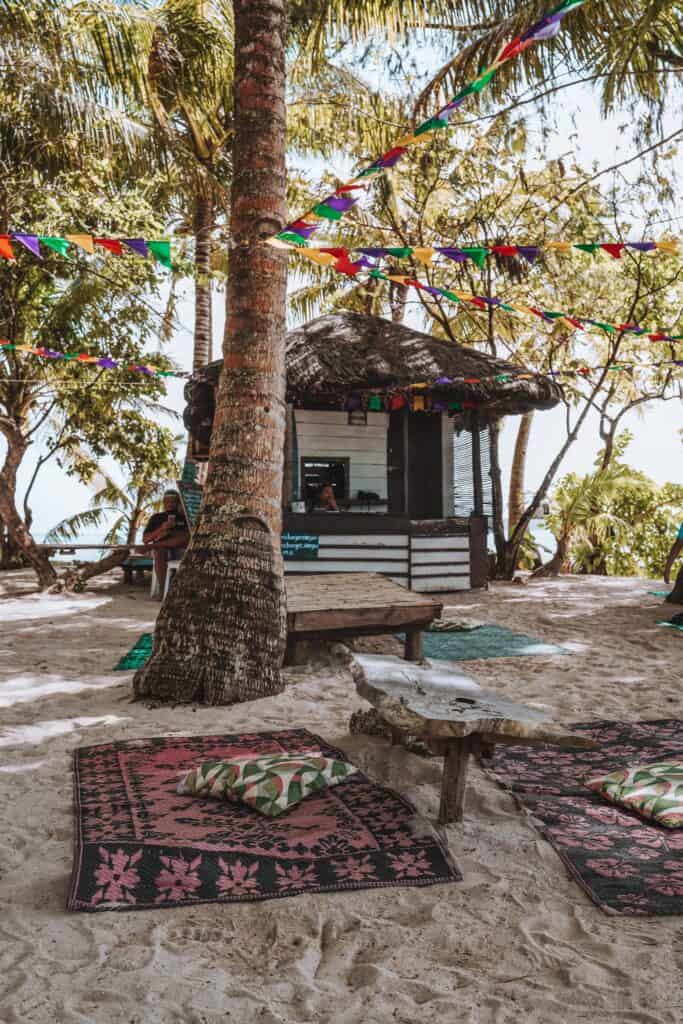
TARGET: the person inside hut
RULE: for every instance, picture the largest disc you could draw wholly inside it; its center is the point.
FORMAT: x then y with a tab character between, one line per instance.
676	595
326	498
166	535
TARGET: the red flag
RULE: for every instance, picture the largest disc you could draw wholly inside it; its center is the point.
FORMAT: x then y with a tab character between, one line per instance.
345	266
340	252
505	250
112	244
613	248
478	302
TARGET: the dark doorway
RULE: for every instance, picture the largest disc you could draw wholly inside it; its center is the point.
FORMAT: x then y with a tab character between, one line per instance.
396	462
425	470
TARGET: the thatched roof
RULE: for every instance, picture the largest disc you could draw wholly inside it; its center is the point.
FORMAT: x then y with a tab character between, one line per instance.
351	351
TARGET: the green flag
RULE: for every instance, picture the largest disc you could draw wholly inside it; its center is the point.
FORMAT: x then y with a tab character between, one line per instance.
161	250
59	245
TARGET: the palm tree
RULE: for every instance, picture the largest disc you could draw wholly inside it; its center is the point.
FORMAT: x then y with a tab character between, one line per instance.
174	61
582	522
130	504
220	634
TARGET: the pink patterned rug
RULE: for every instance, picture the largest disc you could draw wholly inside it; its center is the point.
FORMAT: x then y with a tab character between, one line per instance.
138	844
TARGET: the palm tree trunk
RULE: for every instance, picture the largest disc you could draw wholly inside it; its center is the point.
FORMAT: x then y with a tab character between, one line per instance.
516	493
203	320
220	635
16	527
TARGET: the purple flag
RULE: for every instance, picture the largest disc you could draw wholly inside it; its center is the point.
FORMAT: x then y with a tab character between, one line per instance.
340	203
373	252
453	254
138	245
30	242
443	380
106	363
529	252
642	246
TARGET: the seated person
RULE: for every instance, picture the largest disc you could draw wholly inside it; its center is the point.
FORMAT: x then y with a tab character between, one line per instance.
326	497
166	535
676	595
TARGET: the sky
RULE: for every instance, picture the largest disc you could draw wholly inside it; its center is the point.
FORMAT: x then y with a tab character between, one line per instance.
656	448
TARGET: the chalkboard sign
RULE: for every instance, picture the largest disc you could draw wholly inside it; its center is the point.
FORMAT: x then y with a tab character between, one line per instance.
299	545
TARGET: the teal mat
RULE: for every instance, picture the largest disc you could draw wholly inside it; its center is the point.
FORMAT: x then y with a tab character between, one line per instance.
671	625
659	593
137	655
489	641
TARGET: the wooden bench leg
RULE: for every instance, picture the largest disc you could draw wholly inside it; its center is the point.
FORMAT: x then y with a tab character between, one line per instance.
414	648
454	779
127	574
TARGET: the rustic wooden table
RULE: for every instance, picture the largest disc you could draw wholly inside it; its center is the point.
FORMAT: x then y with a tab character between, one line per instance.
452	715
338	605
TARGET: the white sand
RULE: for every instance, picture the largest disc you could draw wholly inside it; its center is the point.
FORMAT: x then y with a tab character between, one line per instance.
516	941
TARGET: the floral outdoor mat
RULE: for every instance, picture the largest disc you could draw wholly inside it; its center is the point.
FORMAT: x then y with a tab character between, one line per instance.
625	864
139	844
137	656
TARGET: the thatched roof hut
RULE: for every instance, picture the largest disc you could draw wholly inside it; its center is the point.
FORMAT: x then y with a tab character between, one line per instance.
352	351
345	352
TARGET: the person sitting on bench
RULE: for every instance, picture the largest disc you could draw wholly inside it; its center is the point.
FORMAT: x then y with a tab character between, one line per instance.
166	535
327	498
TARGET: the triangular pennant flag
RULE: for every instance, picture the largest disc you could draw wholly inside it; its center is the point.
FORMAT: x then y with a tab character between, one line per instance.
110	244
424	255
529	252
559	246
6	249
325	259
138	245
29	242
278	243
326	212
615	249
588	246
668	247
344	266
160	248
59	245
505	250
83	242
476	253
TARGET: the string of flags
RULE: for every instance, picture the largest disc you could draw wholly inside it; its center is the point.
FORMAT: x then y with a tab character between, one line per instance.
334	206
337	257
103	362
158	248
419	397
107	363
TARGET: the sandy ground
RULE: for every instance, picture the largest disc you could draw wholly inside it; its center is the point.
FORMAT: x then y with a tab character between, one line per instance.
516	941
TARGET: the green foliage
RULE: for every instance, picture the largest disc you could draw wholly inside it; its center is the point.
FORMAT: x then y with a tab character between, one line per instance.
617	520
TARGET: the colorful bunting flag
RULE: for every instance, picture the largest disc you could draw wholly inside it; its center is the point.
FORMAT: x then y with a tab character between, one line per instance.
104	362
6	250
335	205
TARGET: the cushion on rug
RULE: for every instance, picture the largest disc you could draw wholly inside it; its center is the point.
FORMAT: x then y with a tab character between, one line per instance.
271	784
653	791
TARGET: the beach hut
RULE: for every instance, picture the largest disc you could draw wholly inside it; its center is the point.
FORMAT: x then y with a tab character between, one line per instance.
396	422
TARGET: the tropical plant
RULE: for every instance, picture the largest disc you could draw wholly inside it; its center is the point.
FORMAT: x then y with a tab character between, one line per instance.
60	410
614	521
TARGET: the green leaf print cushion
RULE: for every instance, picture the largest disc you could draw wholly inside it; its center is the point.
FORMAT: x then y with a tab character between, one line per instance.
653	791
270	784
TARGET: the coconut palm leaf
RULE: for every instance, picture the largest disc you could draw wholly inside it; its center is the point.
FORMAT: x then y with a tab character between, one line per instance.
72	527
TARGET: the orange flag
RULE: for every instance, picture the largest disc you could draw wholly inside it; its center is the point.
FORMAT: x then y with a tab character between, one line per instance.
83	242
6	249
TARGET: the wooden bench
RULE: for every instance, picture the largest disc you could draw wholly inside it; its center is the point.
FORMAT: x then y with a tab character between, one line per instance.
136	564
335	606
452	715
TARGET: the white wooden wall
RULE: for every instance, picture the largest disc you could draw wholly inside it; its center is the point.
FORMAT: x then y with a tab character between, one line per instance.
447	464
329	435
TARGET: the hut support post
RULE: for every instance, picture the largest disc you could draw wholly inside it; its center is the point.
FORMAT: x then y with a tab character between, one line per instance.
476	467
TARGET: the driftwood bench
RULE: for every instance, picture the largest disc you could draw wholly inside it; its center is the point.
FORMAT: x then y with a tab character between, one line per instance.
452	715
